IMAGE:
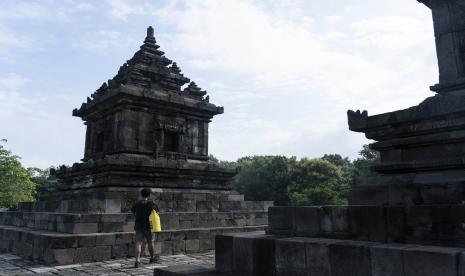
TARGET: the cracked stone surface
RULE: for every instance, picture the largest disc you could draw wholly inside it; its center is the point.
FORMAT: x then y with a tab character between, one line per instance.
13	265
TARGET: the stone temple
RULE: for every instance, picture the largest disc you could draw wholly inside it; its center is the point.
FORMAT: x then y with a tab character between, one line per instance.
407	220
146	127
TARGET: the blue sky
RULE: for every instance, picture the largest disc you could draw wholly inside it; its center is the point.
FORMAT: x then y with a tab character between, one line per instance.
285	71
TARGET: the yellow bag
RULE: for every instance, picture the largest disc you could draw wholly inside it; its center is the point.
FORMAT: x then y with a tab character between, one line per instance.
154	219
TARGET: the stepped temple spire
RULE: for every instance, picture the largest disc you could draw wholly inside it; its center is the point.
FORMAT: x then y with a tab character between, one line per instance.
149	87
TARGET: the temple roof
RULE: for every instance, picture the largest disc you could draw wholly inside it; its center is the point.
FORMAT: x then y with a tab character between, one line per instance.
149	69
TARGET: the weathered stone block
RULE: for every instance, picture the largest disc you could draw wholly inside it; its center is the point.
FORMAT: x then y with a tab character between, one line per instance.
307	221
243	250
112	206
325	221
290	256
77	228
431	260
192	246
419	223
84	254
178	246
281	219
60	242
387	259
59	256
123	238
120	251
350	258
264	255
105	239
367	223
102	253
205	244
87	240
395	221
318	257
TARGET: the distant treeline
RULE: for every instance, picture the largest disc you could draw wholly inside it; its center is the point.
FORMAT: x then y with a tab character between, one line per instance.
285	180
292	181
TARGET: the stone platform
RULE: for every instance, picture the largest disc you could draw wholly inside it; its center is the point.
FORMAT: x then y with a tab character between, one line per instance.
422	224
67	235
261	254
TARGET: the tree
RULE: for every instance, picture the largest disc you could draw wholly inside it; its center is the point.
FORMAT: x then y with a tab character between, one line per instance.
312	172
344	182
264	178
368	157
15	183
315	182
46	184
222	164
317	195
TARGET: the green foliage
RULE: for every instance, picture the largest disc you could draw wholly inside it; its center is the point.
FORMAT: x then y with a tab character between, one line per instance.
264	178
220	163
318	195
308	173
361	166
315	182
15	183
46	184
284	180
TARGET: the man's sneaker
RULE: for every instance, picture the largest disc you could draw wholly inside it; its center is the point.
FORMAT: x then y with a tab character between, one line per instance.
136	264
154	259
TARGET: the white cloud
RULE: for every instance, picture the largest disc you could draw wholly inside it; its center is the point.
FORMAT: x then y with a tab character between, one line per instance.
33	126
98	40
121	9
291	80
84	6
9	38
12	81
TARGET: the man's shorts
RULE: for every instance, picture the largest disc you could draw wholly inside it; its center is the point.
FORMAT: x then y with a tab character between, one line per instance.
144	235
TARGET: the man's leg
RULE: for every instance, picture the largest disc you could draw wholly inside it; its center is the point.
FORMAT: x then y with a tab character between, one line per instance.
150	245
151	249
137	250
138	238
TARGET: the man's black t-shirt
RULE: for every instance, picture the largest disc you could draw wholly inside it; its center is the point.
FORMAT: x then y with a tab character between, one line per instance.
142	210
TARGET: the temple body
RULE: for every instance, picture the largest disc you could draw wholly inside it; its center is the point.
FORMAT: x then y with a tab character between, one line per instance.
144	130
422	148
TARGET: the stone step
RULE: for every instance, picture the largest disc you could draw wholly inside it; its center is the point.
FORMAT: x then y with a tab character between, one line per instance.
103	223
259	254
173	203
439	224
63	248
186	270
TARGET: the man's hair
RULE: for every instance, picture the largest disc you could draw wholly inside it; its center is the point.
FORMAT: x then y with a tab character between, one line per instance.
145	192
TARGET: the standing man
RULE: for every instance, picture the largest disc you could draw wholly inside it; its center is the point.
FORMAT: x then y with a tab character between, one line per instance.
142	210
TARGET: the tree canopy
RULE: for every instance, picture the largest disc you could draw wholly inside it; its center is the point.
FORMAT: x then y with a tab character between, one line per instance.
15	182
289	181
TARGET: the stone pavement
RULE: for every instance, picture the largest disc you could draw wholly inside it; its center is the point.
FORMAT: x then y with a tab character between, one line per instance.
14	265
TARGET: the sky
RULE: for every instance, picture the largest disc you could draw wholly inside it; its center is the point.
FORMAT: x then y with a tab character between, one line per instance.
285	71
